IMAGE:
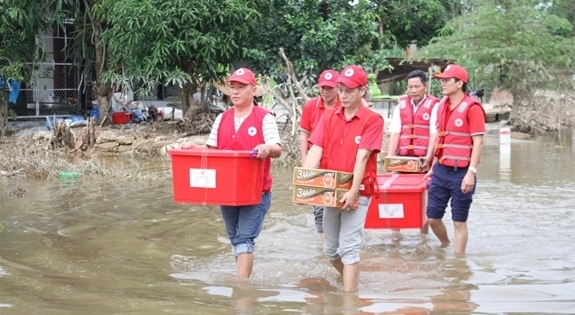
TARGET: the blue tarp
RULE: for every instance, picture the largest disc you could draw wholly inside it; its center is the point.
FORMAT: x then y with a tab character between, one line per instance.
13	86
70	121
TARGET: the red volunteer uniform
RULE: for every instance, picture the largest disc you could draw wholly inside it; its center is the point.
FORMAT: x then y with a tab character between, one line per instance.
312	113
340	140
248	136
455	131
414	136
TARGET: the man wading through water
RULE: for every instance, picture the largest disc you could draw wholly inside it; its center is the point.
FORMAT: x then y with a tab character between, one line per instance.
461	126
413	126
348	139
310	116
245	127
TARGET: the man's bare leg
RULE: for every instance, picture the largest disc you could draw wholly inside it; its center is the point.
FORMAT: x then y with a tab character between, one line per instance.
461	235
350	277
244	263
322	238
338	265
439	230
425	228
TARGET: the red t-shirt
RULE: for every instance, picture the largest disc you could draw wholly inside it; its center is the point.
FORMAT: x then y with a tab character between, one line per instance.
370	139
475	116
312	113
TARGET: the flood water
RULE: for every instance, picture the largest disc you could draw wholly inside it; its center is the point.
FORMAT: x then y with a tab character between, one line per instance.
75	248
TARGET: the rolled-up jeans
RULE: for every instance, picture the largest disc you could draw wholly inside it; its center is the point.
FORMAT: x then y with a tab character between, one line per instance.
343	231
244	224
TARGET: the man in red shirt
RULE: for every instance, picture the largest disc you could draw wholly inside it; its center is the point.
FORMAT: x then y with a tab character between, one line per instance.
461	126
245	127
348	139
310	116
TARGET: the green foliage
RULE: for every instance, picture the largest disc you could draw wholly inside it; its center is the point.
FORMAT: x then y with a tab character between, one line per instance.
178	41
517	45
415	20
564	9
21	21
312	40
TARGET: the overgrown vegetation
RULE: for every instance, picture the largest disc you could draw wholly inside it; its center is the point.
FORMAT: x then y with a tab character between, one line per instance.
519	46
35	159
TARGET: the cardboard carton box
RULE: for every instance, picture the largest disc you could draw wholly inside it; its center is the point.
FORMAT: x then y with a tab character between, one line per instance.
403	164
322	178
319	196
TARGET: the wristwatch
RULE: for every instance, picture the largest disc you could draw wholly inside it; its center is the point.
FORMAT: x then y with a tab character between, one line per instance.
473	169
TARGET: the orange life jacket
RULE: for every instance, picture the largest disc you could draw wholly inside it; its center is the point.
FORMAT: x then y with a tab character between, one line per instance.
454	144
414	136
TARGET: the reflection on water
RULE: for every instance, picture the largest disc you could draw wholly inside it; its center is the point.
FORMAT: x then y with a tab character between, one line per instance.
72	248
504	162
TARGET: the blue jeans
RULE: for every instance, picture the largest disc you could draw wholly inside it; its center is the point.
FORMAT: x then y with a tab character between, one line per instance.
445	185
244	224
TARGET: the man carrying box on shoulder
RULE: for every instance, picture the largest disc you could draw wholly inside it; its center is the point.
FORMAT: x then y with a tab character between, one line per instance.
461	126
245	127
348	139
310	116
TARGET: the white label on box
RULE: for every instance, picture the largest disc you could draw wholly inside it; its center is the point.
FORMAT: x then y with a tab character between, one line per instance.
202	178
391	211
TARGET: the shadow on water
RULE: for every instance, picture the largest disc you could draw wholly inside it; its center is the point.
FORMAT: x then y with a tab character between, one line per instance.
113	248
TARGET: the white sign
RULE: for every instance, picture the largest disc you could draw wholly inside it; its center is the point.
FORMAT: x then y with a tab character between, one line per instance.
391	211
202	178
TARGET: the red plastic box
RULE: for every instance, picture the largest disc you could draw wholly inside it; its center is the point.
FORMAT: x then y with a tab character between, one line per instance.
401	204
217	177
121	118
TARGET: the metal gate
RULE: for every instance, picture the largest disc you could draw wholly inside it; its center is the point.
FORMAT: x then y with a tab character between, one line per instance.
55	84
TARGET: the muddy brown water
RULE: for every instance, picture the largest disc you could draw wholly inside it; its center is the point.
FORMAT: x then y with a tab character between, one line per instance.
116	248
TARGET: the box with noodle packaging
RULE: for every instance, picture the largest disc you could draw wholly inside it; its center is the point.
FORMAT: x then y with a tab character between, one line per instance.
407	164
320	196
314	177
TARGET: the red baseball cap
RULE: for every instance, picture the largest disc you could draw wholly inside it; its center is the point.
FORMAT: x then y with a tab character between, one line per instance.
453	71
243	75
352	77
328	78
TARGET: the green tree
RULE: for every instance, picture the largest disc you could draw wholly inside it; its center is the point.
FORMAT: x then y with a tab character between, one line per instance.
413	21
564	9
514	44
182	42
93	54
315	35
21	22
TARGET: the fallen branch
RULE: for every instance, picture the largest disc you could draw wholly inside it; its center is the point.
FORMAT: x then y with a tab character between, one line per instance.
291	74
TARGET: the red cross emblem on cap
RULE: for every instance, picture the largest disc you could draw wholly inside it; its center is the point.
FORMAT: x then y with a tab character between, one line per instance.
327	76
240	72
348	72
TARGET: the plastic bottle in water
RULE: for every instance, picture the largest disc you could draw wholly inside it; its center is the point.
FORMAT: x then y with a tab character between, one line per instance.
68	175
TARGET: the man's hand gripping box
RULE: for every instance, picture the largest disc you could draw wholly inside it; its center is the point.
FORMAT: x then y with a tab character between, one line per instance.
322	178
320	196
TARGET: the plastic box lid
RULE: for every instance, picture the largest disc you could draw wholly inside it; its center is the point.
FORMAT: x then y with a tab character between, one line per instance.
214	153
401	182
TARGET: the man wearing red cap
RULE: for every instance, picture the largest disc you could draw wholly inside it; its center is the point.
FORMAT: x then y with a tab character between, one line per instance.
245	127
310	116
461	126
348	139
